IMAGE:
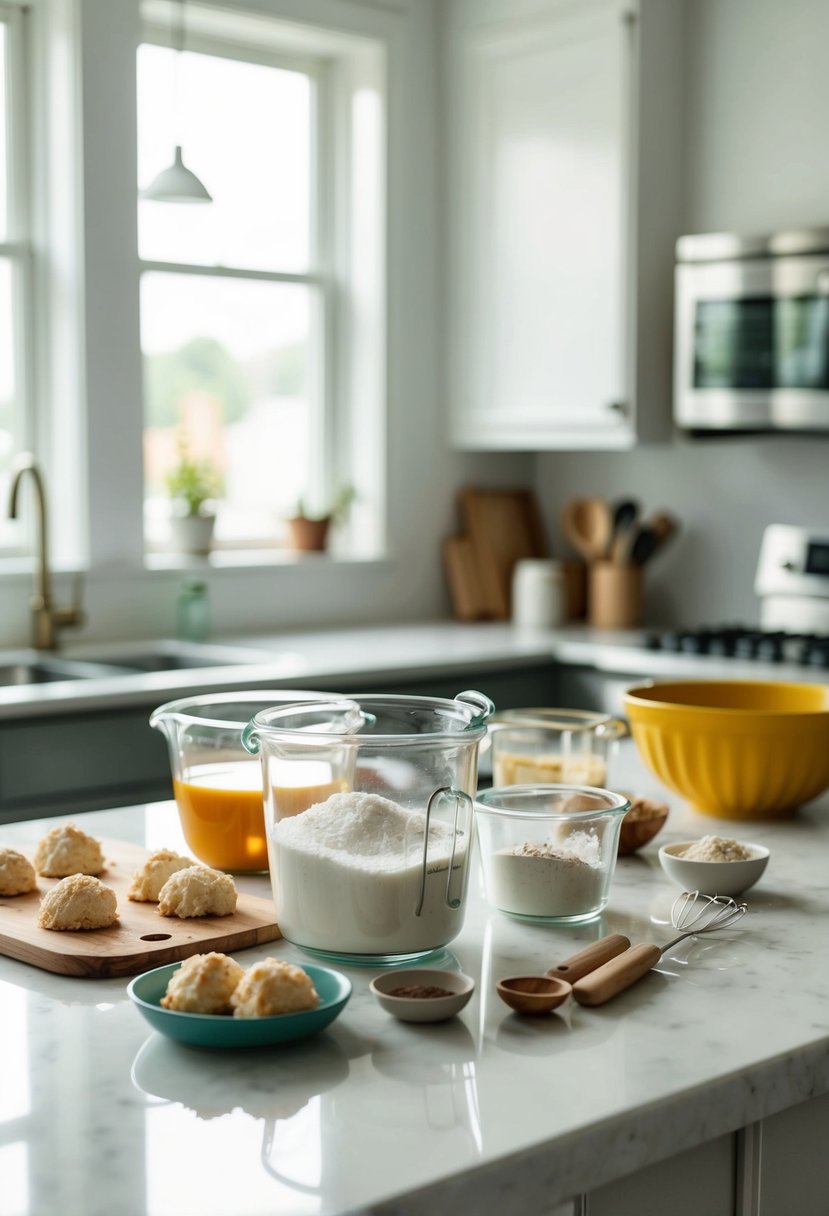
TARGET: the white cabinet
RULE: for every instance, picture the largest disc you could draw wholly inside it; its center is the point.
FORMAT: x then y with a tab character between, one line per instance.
545	218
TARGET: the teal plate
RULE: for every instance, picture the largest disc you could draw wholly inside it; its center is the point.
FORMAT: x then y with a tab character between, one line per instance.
216	1030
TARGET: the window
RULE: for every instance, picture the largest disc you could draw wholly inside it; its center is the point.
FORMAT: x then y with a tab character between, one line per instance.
16	336
235	301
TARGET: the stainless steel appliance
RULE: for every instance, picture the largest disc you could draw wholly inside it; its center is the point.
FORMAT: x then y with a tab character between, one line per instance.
792	582
751	332
793	579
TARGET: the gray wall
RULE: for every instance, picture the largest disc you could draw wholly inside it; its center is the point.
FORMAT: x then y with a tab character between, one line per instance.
755	161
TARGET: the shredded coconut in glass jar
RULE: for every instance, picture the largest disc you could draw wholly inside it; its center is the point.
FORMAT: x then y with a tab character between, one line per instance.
716	848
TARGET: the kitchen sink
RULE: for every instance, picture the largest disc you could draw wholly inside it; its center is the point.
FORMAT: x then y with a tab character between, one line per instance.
119	660
48	671
172	656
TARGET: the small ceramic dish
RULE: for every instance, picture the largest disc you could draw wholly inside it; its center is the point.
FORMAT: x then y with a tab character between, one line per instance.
713	877
409	1007
216	1030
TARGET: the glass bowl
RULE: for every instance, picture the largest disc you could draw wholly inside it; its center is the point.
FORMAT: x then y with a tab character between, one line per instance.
548	852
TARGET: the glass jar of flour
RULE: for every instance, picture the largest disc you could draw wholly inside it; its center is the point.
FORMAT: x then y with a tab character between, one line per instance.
368	815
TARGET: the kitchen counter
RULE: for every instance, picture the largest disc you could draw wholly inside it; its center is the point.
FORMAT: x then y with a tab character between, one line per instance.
488	1113
360	655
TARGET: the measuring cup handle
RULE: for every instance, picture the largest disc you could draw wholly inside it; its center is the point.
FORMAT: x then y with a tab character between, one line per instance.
461	800
250	739
615	728
479	701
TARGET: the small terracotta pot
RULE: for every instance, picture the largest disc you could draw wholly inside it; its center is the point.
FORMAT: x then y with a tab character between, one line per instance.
309	535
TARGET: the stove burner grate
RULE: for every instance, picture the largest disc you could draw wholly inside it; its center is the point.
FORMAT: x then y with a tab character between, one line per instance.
746	642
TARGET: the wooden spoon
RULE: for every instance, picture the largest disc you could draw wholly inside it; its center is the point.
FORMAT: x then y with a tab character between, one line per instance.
665	526
588	525
539	994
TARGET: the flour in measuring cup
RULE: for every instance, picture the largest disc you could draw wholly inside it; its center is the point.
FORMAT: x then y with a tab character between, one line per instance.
347	872
564	879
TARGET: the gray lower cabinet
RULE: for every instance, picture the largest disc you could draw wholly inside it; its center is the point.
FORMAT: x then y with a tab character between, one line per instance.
776	1167
64	764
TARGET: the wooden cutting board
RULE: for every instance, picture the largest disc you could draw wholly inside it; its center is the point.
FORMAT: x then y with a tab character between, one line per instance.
463	576
504	526
141	939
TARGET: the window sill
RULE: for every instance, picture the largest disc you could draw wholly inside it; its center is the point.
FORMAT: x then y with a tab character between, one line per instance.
260	559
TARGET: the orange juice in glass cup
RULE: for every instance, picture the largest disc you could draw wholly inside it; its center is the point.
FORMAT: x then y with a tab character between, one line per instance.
218	785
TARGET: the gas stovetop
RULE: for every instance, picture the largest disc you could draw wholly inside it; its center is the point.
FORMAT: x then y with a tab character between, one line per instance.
746	642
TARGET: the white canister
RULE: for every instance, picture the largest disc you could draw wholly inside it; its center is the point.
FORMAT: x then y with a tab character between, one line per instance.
538	594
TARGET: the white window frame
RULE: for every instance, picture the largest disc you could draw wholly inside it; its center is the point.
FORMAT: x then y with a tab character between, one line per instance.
319	276
18	247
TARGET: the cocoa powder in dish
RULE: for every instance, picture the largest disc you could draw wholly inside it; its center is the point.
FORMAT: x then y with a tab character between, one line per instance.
420	991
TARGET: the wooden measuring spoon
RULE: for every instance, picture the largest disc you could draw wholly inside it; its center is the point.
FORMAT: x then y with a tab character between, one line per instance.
539	994
533	994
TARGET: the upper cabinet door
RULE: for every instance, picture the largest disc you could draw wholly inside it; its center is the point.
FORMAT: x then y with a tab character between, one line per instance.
541	226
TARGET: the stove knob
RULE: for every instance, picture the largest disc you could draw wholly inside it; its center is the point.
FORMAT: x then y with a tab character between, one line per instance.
816	654
693	643
770	648
745	647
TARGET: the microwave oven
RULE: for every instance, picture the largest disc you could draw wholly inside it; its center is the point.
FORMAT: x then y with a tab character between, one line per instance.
751	332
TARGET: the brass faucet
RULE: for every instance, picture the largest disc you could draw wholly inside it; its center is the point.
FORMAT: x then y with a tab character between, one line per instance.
45	617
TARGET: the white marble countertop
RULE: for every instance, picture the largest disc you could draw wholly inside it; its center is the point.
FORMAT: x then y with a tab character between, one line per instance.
296	659
488	1113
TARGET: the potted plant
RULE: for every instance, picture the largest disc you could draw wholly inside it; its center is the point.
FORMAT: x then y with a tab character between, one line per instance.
308	531
193	485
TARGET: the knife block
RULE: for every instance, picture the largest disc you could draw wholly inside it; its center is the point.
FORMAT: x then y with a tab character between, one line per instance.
615	596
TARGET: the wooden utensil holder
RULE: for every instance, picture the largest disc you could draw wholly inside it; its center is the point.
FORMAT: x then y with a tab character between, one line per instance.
615	596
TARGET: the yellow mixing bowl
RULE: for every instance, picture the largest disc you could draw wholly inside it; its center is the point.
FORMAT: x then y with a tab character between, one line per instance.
736	749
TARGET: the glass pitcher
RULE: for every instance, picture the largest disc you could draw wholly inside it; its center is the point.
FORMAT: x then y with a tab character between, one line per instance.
368	811
216	783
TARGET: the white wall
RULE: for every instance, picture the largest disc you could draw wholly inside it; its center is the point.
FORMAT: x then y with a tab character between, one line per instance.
757	101
123	600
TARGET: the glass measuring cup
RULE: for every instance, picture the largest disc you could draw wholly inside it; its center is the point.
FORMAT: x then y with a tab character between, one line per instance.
377	871
569	746
216	783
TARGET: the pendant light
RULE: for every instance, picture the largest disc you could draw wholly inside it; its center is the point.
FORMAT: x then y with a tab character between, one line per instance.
177	183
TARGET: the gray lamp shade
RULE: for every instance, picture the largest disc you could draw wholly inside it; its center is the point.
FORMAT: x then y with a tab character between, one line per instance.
177	185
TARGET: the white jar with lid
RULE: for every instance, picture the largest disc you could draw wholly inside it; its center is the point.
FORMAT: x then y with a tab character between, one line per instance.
538	594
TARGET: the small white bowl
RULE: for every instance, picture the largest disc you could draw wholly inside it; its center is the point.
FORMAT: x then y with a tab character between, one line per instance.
423	1008
713	877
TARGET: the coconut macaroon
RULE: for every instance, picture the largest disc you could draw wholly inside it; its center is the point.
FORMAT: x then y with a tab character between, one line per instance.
67	850
273	987
17	874
203	984
78	902
148	881
197	891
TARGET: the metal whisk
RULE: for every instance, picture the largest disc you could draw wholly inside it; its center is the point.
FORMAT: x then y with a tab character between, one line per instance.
692	913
